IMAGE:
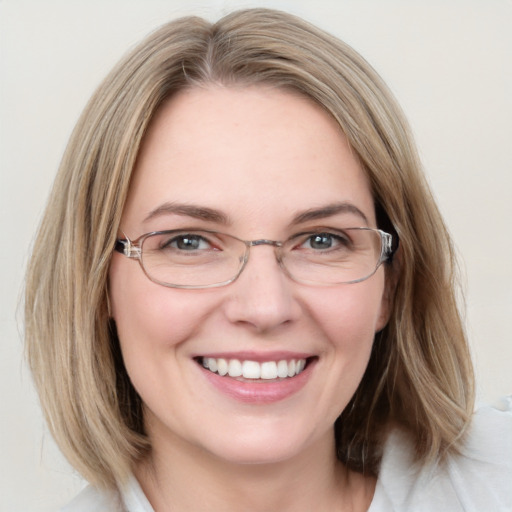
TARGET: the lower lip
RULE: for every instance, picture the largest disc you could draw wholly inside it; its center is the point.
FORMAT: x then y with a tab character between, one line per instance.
260	391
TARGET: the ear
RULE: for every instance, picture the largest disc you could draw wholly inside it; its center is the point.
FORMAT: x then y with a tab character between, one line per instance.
392	272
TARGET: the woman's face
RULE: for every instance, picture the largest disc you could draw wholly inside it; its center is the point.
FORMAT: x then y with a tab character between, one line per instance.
247	162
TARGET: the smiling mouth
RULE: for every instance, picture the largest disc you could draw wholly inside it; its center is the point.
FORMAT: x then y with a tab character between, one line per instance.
254	370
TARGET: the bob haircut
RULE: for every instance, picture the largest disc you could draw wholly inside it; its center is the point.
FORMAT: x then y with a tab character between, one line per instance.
419	376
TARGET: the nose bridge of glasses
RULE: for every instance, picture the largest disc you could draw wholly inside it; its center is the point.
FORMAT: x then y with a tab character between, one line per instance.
264	241
276	244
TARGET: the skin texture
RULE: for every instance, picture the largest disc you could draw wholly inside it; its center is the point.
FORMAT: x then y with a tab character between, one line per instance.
260	156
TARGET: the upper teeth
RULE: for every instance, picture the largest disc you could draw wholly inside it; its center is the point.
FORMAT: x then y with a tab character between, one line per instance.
253	369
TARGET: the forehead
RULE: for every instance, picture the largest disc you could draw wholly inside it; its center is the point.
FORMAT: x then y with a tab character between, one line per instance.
253	152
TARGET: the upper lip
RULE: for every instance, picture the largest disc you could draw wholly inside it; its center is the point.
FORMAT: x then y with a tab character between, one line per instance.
258	356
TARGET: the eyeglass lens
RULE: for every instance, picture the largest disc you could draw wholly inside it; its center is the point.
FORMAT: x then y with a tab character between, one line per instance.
203	258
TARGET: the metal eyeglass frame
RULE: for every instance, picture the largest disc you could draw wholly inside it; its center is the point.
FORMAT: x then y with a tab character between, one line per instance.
133	249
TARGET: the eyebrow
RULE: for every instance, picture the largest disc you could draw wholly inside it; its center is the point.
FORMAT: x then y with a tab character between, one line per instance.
189	210
219	217
328	211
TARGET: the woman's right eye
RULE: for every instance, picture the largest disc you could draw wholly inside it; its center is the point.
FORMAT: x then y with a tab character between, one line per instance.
187	242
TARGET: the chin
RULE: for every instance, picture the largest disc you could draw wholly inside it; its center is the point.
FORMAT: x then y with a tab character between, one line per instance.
266	444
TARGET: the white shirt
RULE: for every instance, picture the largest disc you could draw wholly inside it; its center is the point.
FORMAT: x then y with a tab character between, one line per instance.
478	480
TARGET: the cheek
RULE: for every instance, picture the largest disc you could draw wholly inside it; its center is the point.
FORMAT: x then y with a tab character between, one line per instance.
153	323
148	315
348	317
351	314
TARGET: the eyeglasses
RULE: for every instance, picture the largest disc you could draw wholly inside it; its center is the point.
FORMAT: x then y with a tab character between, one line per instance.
206	259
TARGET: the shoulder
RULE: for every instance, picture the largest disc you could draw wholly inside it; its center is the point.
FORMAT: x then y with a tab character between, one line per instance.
477	479
130	498
92	499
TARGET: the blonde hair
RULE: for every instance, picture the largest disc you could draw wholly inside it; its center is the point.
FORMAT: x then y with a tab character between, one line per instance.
420	372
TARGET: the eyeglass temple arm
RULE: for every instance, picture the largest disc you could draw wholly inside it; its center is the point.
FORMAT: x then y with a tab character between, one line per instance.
391	243
121	245
126	247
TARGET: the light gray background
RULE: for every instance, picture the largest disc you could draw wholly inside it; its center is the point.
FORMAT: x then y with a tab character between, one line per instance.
448	62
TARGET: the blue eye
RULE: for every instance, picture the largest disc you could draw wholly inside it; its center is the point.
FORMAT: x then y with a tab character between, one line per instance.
187	242
321	241
324	241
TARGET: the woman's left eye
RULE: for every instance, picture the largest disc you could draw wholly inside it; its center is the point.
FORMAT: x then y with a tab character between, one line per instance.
323	241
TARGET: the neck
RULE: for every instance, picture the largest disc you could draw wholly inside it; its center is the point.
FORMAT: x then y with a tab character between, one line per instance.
314	480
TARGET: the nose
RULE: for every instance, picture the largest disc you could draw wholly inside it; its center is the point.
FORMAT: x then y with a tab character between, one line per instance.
262	297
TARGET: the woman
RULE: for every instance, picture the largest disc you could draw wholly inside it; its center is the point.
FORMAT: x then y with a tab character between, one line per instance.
289	337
